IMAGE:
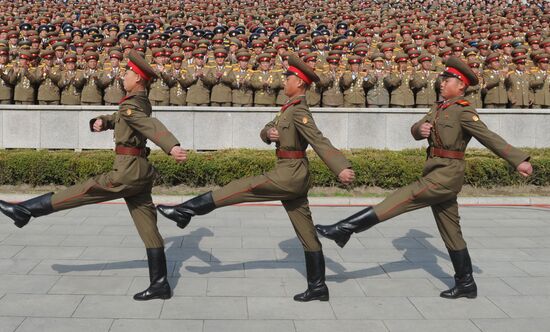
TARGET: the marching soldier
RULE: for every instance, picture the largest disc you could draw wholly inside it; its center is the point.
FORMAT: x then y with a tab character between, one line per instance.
71	81
159	91
92	93
541	82
448	127
329	82
24	80
112	79
131	178
217	78
176	81
292	130
517	83
7	77
423	82
47	77
265	83
241	93
493	80
377	91
198	93
353	83
400	83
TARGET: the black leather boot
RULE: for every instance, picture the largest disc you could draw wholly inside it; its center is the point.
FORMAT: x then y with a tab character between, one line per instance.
159	287
21	213
342	230
316	287
465	286
183	212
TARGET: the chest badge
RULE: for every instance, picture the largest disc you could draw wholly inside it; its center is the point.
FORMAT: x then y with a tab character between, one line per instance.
128	112
304	120
475	118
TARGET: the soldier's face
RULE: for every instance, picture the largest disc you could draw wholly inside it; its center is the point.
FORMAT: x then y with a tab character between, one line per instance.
70	65
130	80
293	86
220	60
451	87
3	59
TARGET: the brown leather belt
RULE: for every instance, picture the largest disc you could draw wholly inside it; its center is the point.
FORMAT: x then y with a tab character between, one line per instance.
435	152
283	154
130	151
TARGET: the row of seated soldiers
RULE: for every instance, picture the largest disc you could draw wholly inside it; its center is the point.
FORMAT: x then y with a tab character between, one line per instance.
207	78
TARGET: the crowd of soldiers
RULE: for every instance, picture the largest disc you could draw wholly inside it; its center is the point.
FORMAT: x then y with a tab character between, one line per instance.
227	53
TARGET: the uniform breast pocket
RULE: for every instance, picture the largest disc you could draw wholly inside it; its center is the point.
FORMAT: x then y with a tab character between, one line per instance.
283	125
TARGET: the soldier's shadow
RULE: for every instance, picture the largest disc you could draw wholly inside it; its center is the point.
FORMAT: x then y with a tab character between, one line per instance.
294	255
429	262
175	256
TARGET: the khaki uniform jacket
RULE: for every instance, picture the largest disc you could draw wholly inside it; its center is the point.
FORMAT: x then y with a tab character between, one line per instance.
112	82
377	90
92	91
353	85
159	90
455	122
70	84
518	86
332	92
220	87
423	83
48	90
24	85
241	93
266	85
400	85
493	83
198	92
297	130
7	80
178	86
133	126
313	95
540	84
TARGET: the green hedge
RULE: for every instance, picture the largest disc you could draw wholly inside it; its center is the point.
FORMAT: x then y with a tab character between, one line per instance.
381	168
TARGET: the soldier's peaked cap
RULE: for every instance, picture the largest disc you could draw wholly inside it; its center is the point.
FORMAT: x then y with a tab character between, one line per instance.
459	69
140	66
297	67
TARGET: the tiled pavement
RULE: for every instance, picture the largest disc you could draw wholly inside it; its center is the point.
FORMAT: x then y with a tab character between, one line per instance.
237	268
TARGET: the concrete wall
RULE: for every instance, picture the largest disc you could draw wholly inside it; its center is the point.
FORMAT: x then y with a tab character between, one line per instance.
205	128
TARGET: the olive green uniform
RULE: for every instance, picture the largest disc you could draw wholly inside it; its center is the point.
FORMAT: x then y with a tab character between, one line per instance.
198	93
47	80
423	83
132	176
70	84
401	93
241	93
354	85
519	91
455	122
266	85
332	92
290	180
7	80
112	81
178	87
495	90
24	86
377	91
92	92
220	86
541	87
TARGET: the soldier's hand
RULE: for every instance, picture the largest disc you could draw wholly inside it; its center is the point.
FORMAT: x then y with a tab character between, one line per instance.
425	129
179	154
525	168
98	125
273	135
346	176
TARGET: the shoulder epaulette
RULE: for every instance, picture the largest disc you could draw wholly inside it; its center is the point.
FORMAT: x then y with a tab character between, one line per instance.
463	102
